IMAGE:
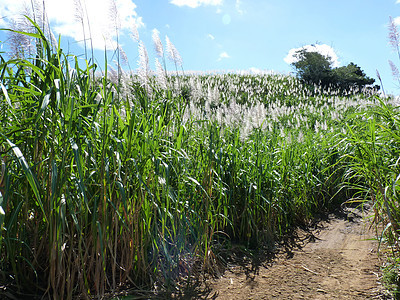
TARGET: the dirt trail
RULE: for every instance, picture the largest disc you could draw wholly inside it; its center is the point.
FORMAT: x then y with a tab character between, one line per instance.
341	263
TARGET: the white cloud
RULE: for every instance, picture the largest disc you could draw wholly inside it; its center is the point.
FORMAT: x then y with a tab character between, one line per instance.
196	3
397	20
210	36
101	14
222	56
239	9
322	49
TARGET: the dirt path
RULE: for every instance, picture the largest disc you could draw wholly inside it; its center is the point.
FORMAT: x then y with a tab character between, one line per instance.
341	263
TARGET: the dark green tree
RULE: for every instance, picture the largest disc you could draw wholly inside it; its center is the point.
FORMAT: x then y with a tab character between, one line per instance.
315	68
351	76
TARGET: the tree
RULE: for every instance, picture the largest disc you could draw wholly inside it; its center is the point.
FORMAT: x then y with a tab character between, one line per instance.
315	68
351	76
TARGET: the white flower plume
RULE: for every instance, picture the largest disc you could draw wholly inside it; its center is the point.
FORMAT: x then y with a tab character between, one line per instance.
143	70
66	17
161	75
157	43
173	53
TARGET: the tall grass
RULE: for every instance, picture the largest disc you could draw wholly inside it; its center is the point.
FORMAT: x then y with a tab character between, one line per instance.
110	184
371	161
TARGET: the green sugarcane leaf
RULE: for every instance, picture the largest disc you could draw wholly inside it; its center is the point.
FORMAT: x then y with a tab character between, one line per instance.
45	103
6	94
29	175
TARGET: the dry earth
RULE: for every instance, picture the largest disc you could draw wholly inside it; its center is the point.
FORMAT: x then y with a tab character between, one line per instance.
341	262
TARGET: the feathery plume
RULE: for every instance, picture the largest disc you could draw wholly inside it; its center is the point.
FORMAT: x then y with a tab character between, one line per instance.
123	56
395	70
173	53
20	45
394	36
114	16
161	76
112	74
378	75
114	24
380	80
143	65
38	13
26	11
134	32
79	13
157	43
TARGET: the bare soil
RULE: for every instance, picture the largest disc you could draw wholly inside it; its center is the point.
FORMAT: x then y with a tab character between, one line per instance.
338	260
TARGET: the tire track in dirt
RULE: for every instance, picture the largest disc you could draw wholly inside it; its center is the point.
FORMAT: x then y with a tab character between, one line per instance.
341	263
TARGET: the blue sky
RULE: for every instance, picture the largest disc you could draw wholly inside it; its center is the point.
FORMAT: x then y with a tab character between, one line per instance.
235	34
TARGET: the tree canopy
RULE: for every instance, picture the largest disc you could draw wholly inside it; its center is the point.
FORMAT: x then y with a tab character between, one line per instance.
315	68
350	76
